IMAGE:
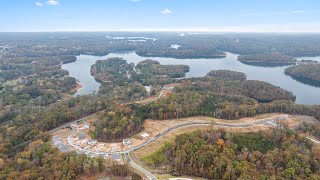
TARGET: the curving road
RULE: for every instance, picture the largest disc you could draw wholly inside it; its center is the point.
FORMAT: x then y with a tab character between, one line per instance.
145	172
313	140
240	125
269	121
126	152
103	154
67	125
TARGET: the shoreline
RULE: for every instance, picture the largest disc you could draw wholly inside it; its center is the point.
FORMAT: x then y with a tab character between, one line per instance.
78	86
304	80
267	64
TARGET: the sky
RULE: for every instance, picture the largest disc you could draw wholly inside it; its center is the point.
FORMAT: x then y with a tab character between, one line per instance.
160	15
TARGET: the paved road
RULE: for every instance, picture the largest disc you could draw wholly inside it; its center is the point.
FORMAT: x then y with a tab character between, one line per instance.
128	158
250	124
3	48
148	174
161	93
136	166
86	151
82	119
313	140
72	122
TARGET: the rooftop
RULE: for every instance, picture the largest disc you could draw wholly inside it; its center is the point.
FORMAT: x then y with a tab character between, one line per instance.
116	156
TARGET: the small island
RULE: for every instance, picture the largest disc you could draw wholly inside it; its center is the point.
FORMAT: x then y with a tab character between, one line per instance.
305	73
267	59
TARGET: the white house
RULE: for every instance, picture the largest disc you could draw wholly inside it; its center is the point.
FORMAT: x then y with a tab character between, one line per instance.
127	142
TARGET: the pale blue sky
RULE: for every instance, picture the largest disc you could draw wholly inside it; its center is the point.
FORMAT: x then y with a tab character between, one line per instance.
179	15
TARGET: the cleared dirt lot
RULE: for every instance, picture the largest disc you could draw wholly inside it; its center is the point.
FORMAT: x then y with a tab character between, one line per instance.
166	90
155	127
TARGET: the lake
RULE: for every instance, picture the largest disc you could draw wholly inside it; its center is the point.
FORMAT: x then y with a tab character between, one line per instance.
306	94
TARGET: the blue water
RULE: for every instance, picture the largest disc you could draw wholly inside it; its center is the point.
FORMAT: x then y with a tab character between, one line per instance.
305	94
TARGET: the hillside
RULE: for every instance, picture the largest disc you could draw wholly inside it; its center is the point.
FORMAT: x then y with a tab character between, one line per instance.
222	155
305	73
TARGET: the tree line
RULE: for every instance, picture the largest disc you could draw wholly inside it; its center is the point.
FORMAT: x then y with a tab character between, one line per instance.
40	161
272	58
222	155
259	90
116	125
308	73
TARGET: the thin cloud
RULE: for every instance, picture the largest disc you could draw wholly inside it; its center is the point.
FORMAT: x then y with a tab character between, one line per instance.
38	4
297	12
274	13
53	2
166	11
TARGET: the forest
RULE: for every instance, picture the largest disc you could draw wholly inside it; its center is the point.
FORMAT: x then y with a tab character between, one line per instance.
115	74
126	82
196	104
307	73
259	90
212	154
310	129
115	70
40	161
187	104
215	96
181	53
20	125
39	45
116	125
150	72
222	106
15	67
36	79
265	59
34	98
227	74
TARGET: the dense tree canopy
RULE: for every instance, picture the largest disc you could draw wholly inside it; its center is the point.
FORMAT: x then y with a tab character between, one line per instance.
115	70
218	106
307	73
150	72
259	90
27	123
40	161
194	104
221	155
32	84
116	125
273	58
227	74
188	50
310	129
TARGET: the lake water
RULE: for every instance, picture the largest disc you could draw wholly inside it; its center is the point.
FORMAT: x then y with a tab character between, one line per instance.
80	70
175	46
306	94
315	58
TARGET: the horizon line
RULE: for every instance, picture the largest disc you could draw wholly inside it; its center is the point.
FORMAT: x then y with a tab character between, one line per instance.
172	31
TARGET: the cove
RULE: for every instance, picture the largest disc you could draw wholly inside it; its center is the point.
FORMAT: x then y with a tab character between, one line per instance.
306	94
